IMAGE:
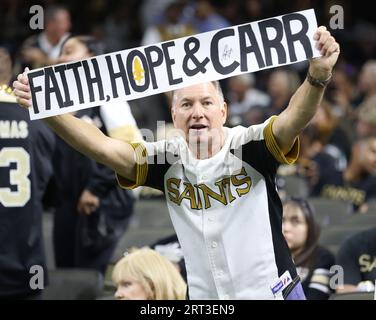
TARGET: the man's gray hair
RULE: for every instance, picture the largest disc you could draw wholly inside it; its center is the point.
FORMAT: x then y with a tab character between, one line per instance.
217	87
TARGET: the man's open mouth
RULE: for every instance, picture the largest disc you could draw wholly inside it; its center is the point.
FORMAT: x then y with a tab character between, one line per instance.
198	127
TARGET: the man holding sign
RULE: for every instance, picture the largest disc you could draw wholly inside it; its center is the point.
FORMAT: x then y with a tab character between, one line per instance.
174	64
219	182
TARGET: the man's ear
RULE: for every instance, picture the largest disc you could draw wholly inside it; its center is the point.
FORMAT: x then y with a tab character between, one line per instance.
224	112
173	113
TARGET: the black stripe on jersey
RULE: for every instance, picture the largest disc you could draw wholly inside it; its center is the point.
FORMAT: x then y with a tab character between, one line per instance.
281	250
157	172
257	155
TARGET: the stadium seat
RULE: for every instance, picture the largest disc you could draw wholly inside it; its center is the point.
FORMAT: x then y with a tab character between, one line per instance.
333	237
352	296
359	220
151	213
149	223
47	227
73	284
106	297
140	238
294	186
108	291
371	206
330	212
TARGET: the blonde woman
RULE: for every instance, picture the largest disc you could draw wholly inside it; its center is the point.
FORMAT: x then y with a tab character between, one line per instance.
144	274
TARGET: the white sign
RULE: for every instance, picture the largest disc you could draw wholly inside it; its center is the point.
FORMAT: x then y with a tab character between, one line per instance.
166	66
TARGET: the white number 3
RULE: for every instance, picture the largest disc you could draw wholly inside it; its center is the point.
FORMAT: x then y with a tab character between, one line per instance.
18	177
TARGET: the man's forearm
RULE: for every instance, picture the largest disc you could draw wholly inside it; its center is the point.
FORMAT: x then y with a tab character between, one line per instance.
82	136
90	141
305	101
301	109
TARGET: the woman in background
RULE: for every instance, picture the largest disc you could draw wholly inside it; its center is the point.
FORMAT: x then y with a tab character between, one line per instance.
144	274
313	262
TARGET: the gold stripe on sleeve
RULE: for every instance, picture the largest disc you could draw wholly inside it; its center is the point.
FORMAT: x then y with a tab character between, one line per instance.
141	168
274	148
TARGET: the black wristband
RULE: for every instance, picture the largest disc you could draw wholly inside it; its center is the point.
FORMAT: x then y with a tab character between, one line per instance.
316	82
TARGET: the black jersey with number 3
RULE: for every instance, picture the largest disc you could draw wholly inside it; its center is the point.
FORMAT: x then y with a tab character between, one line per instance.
25	167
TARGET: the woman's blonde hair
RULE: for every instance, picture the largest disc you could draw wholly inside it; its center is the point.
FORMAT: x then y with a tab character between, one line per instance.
158	276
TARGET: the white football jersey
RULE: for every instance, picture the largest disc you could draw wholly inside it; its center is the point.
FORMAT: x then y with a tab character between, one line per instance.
226	212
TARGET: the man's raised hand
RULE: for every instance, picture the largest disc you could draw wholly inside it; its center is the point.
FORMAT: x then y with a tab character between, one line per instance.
22	90
321	67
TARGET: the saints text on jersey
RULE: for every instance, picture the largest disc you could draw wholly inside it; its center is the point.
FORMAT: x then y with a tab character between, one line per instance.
241	181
